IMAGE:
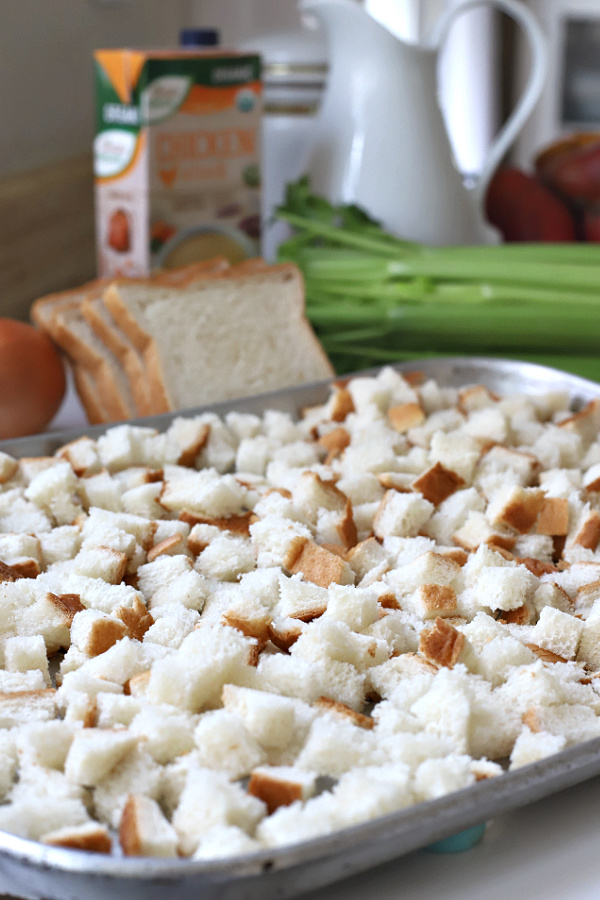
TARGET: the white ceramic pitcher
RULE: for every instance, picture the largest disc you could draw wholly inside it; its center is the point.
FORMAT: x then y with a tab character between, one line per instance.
380	138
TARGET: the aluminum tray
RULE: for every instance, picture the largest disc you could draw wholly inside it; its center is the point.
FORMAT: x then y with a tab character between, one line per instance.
30	869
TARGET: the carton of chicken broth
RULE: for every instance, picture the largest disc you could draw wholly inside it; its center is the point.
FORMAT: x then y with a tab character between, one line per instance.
176	158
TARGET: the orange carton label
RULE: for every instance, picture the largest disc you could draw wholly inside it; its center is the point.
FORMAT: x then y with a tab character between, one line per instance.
176	158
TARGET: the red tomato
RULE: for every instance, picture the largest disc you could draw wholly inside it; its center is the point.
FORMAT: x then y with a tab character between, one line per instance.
32	379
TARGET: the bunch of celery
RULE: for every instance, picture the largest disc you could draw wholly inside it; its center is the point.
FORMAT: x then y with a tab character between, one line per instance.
373	297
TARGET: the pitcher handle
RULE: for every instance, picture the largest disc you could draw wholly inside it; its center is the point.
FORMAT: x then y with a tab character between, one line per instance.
531	93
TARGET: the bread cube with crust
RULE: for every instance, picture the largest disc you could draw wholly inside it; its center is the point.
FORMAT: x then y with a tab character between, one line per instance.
367	556
20	515
316	564
33	816
143	829
224	743
209	799
575	722
281	785
135	773
21	552
329	639
100	562
272	538
95	593
8	467
452	514
20	707
115	709
33	680
456	451
558	632
558	448
401	515
172	623
307	680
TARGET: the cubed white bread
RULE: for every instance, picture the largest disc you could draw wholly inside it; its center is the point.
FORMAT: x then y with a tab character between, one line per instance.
281	785
402	678
165	731
99	595
20	515
206	493
23	552
93	632
299	822
135	773
329	639
193	677
190	435
576	723
500	655
299	599
438	777
33	680
501	466
223	841
59	545
44	743
358	608
224	742
367	556
532	746
272	537
94	752
90	837
113	710
36	816
558	448
503	587
102	520
269	718
536	546
143	829
533	685
134	445
102	491
82	454
172	579
335	745
22	654
210	799
173	622
125	660
557	631
456	451
401	515
476	531
143	500
397	631
445	708
226	558
20	707
427	568
52	490
100	562
308	680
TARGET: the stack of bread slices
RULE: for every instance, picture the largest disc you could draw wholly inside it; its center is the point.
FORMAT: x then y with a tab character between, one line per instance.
182	338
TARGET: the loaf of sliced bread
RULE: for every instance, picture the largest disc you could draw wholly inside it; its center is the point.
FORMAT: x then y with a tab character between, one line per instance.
219	338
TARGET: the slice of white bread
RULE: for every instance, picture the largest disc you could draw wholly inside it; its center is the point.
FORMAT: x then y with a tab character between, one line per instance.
216	339
106	329
80	343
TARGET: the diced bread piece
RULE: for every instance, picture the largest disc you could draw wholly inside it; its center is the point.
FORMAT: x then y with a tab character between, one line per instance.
315	564
18	707
438	483
401	515
405	416
94	752
144	831
94	632
442	644
280	785
554	517
515	507
91	837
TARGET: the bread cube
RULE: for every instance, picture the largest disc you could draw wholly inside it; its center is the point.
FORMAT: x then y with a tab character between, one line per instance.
94	752
401	515
557	631
144	831
224	742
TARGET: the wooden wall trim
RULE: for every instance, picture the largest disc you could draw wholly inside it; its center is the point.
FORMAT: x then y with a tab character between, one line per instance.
46	232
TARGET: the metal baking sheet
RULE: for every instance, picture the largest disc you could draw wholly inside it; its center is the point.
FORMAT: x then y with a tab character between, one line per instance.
36	871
